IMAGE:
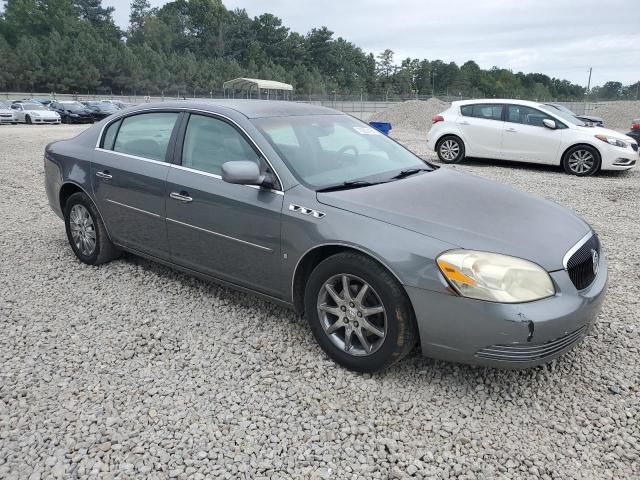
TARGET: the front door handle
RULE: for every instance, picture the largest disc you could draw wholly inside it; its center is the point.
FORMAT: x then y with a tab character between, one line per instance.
182	196
465	123
106	175
511	130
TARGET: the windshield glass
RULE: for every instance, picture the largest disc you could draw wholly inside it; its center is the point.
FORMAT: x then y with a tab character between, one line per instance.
564	116
74	107
327	150
34	106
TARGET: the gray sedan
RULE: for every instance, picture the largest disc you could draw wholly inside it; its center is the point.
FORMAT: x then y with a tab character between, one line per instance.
378	249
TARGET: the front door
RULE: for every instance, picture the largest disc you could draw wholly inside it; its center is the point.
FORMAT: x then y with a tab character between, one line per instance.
525	138
229	231
128	174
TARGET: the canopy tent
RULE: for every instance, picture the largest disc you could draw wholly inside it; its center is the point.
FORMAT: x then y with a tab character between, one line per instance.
256	88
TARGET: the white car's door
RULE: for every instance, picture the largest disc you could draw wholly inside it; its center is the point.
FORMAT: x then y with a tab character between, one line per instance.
526	139
481	127
19	112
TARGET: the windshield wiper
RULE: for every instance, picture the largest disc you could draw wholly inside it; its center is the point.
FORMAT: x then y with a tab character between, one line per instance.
409	171
347	185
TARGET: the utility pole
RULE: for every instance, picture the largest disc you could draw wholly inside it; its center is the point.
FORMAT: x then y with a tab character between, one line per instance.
588	88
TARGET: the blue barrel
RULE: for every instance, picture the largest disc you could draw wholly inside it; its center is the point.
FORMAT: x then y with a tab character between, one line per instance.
383	127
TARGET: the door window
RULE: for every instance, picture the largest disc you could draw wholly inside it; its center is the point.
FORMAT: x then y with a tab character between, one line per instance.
146	135
209	142
482	110
526	115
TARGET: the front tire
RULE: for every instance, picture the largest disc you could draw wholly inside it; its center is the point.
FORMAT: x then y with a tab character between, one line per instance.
581	160
450	149
359	313
27	120
86	232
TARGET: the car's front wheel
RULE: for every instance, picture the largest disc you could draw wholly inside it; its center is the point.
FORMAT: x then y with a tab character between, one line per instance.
581	160
450	149
86	232
27	120
359	313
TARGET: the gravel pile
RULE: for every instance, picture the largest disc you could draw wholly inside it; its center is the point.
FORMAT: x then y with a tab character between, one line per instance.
413	114
617	115
132	370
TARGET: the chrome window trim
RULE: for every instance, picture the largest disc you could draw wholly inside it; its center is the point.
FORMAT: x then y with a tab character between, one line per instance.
575	248
189	110
267	249
133	208
135	157
218	177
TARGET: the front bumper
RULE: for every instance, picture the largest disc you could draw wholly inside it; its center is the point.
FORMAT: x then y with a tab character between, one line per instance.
502	335
54	121
4	119
616	158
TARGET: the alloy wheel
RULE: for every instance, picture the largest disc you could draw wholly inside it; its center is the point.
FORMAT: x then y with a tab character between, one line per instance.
581	161
449	149
352	314
83	230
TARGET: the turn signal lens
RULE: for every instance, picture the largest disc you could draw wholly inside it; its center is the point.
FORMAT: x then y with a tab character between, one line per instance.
495	277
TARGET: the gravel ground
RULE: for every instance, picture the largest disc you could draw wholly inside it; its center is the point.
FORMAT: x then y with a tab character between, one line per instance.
133	370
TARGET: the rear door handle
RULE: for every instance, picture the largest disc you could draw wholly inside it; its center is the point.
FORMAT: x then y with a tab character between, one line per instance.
182	196
511	130
106	175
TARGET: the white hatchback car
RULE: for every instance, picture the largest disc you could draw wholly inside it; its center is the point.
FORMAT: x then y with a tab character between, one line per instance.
529	132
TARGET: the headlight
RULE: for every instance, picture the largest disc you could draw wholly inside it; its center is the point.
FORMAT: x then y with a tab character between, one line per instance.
613	141
494	277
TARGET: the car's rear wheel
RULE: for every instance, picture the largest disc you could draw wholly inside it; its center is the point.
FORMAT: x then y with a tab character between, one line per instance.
359	313
581	160
27	120
450	149
86	232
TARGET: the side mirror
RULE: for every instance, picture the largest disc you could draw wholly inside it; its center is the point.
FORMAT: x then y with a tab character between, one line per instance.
550	124
242	172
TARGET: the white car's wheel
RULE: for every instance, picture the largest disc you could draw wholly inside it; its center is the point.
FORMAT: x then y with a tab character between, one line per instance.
581	160
450	149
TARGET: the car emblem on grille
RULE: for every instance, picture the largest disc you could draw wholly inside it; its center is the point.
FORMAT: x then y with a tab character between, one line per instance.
596	261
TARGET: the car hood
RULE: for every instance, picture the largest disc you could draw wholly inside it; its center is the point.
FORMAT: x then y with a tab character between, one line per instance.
43	113
591	118
469	212
602	131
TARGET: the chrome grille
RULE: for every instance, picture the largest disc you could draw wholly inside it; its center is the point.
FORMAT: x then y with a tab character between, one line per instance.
580	265
521	352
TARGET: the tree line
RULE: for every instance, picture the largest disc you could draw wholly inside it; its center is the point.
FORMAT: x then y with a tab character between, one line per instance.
68	46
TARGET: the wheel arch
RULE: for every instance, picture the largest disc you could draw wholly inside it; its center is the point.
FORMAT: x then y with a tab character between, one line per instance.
67	189
580	144
316	254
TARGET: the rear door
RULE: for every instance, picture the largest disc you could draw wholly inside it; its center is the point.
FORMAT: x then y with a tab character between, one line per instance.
229	231
128	174
481	126
526	139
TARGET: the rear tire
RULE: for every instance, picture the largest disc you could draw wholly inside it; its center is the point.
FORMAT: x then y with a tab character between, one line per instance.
450	149
364	332
581	160
86	232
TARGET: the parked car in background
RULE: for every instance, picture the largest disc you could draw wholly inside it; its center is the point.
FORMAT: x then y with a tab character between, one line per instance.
532	132
313	208
635	131
44	101
597	121
101	110
31	112
118	103
72	112
7	115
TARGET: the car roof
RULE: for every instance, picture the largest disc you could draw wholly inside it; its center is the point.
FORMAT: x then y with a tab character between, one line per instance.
509	101
249	108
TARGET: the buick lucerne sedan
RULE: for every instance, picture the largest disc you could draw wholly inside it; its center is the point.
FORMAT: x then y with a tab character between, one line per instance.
376	248
522	131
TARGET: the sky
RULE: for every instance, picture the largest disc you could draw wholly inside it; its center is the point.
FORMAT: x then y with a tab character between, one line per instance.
560	38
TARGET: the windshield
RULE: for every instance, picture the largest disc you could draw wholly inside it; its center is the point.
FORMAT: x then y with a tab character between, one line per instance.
105	107
328	150
74	107
34	106
567	117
